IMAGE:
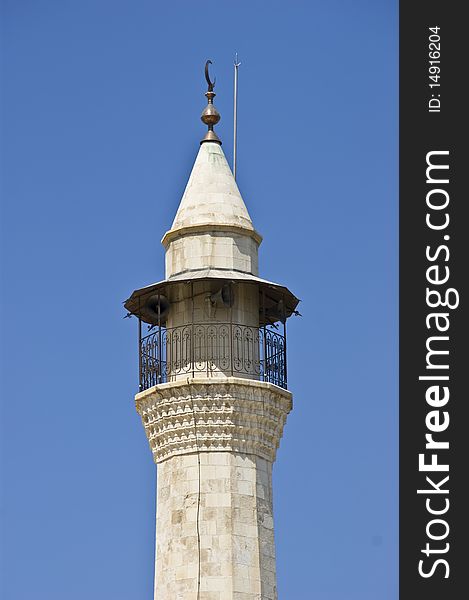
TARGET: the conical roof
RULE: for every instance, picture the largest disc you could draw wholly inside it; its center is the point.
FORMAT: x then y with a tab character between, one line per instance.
211	197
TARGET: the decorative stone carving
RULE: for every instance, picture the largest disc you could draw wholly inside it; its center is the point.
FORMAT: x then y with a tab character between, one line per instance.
200	415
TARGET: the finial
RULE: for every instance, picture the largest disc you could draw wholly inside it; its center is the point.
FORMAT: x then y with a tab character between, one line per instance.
210	115
207	77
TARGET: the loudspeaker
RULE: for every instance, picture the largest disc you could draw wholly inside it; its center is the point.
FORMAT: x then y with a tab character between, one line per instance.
276	312
156	309
224	296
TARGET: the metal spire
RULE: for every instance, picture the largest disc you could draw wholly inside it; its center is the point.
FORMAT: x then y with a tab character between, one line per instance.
210	115
235	111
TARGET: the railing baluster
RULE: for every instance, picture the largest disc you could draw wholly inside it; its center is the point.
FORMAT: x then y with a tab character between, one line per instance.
140	381
258	352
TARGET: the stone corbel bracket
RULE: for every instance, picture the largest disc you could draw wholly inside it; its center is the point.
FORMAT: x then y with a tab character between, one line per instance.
227	415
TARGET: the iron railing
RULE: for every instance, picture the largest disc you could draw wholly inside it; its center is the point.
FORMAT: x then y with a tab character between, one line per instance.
212	350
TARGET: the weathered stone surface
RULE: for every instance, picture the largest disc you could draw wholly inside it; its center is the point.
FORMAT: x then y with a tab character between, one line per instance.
214	442
214	248
211	195
203	415
212	227
215	527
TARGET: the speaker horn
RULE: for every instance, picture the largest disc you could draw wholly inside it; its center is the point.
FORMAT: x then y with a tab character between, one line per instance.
156	309
223	297
277	311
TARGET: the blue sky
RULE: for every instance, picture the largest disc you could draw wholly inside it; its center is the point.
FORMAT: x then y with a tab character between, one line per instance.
100	126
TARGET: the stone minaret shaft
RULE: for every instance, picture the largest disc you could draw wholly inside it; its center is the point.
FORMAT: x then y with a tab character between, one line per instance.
213	400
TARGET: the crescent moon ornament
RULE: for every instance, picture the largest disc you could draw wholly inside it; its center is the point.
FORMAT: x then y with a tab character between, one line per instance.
211	84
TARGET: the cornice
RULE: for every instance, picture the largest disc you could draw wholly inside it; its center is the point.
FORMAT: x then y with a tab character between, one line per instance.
202	415
204	228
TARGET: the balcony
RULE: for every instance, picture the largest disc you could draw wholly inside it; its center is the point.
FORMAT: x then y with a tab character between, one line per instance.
212	350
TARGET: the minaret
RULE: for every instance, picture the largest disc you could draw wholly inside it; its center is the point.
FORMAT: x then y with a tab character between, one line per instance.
213	390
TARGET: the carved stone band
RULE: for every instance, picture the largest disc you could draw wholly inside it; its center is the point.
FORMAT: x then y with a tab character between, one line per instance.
201	414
